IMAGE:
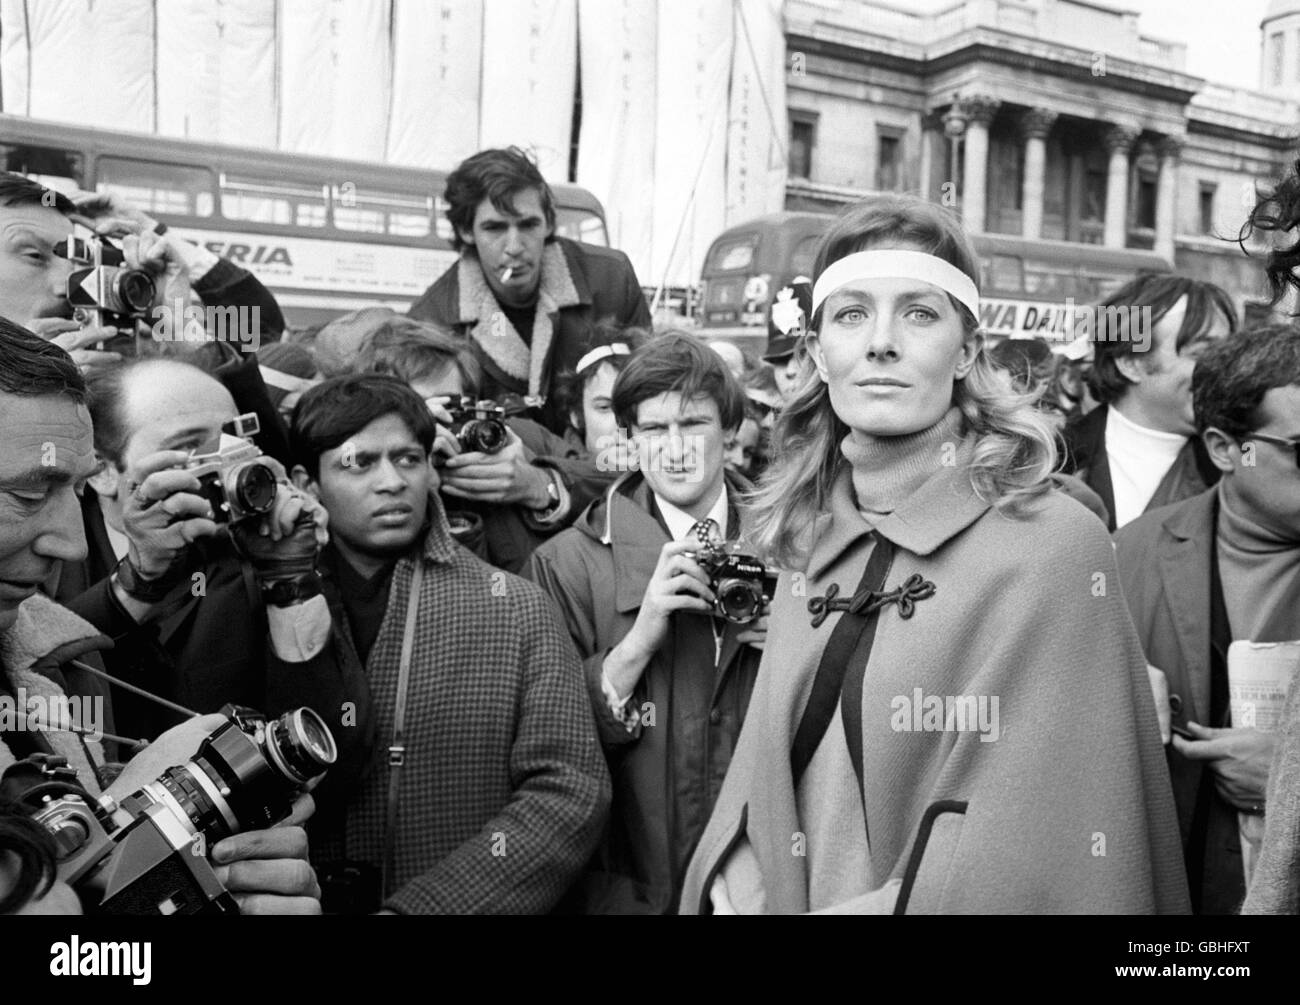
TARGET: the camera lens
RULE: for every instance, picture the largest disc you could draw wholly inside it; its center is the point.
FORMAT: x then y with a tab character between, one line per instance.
136	291
739	600
484	435
300	745
254	487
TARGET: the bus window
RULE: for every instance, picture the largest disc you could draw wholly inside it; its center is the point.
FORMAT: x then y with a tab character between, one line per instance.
370	212
62	170
733	256
580	225
441	225
801	262
261	200
157	188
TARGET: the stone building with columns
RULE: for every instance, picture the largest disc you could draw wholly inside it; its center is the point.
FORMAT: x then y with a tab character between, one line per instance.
1050	120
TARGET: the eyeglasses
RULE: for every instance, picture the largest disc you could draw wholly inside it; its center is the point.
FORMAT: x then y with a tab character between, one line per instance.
1277	441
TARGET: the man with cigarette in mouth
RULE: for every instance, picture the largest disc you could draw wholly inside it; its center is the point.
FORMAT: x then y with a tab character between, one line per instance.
523	296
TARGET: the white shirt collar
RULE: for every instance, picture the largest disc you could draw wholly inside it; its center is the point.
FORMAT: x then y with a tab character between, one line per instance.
680	522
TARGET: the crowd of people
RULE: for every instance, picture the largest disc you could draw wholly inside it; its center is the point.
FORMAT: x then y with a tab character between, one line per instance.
608	619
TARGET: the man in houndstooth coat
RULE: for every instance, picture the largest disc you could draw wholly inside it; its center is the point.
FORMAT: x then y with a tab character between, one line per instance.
501	790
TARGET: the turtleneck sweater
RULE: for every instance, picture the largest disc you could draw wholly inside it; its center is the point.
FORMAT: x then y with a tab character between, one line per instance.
888	469
1260	573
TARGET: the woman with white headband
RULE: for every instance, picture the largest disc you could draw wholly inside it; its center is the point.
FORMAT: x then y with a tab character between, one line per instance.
952	714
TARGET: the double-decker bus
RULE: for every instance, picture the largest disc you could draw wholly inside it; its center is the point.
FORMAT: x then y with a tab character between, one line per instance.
324	235
1028	287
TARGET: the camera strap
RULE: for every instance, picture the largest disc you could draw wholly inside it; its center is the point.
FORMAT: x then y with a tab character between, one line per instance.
397	750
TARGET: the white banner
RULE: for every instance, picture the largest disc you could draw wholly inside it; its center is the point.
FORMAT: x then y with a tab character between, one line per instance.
14	61
689	197
756	163
306	77
189	60
616	147
363	58
529	71
92	63
437	66
247	73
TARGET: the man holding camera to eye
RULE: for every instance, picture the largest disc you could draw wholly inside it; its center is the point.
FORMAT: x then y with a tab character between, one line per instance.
46	458
669	678
205	605
35	225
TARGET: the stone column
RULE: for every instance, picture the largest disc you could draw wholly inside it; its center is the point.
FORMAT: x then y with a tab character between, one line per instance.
1119	141
1166	197
931	134
979	111
1035	124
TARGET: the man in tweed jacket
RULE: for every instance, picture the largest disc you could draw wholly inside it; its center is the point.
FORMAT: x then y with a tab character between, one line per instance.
503	789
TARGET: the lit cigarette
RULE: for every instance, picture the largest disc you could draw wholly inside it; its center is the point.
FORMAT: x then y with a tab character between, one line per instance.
509	271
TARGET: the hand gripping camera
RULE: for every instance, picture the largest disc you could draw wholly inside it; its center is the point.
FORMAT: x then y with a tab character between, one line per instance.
479	425
148	854
233	475
741	583
102	286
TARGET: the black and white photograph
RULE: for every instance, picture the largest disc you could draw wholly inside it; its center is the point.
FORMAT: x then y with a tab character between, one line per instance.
650	457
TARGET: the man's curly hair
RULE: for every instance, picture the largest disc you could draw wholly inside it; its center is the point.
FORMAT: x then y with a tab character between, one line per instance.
1278	211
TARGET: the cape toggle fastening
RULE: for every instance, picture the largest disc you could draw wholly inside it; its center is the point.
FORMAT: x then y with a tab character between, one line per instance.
914	588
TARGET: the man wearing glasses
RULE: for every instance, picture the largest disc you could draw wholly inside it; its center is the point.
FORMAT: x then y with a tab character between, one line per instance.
1219	567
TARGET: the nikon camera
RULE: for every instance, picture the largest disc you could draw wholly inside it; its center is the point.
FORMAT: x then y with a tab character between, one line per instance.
479	426
234	477
148	854
741	583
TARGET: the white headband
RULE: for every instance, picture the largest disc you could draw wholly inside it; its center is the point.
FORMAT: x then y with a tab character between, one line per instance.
894	263
602	352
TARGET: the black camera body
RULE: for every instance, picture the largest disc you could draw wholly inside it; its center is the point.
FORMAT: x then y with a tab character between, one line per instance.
103	287
479	426
741	583
234	476
148	854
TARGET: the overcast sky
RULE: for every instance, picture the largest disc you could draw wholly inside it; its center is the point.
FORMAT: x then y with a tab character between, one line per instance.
1222	36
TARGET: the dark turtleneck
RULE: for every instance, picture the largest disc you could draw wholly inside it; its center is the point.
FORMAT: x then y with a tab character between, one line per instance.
1260	572
888	469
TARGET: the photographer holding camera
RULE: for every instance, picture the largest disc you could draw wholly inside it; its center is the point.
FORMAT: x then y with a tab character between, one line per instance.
669	624
37	248
509	475
47	652
205	606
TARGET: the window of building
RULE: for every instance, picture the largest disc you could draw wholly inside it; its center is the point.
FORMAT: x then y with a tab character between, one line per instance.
1276	46
803	136
1206	205
1144	211
889	160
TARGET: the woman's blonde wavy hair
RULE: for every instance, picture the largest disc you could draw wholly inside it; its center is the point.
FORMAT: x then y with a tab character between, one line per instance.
1015	447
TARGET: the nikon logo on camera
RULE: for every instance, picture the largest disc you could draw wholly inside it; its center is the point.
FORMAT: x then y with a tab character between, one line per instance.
179	322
